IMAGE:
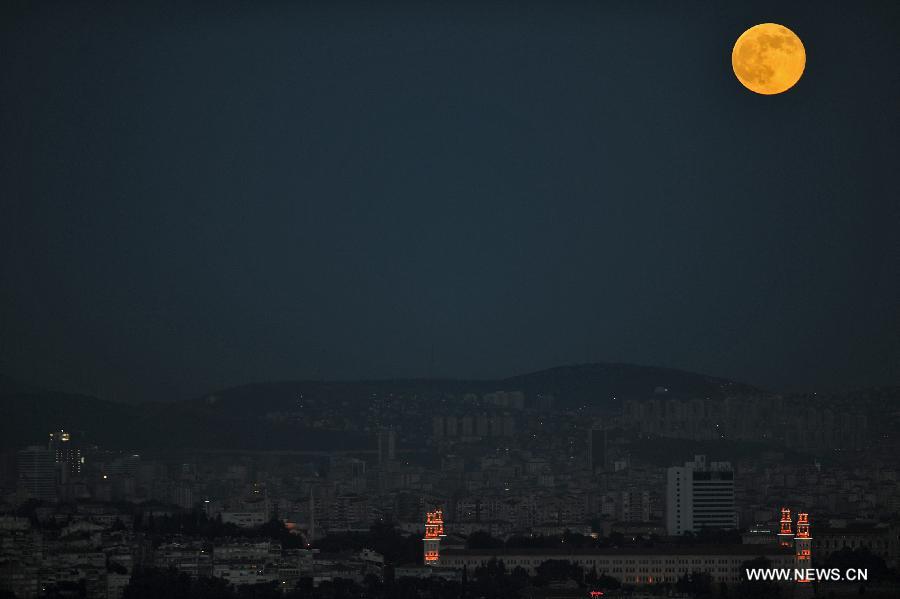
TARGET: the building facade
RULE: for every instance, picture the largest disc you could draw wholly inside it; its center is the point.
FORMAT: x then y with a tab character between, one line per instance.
700	495
634	565
37	473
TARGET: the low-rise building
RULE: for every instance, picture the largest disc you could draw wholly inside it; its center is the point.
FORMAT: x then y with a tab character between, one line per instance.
634	565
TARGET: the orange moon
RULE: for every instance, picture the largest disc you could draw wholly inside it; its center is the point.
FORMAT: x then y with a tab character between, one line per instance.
768	59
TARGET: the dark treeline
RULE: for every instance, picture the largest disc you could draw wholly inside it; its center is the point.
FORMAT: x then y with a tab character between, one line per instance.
383	538
493	581
574	540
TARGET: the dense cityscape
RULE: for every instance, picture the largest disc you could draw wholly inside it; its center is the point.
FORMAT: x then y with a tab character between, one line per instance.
483	494
529	299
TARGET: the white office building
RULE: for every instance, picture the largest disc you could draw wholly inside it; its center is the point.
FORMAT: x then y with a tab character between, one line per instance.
700	495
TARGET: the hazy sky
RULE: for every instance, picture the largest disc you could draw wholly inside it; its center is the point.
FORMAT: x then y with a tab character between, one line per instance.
195	197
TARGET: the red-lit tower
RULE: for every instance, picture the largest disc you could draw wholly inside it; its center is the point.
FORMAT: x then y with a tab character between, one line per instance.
786	534
434	531
803	544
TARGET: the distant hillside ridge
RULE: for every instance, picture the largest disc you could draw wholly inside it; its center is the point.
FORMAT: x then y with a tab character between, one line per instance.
253	416
592	384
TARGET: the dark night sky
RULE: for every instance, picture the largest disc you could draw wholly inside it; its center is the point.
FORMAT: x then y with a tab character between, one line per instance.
199	197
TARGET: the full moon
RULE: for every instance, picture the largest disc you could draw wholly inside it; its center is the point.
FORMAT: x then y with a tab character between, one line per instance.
768	59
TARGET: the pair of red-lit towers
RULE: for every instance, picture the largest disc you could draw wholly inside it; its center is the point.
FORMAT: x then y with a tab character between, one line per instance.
802	542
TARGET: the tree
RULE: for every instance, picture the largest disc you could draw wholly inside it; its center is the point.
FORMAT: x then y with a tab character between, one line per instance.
719	536
695	583
481	539
576	540
152	583
558	569
493	569
494	581
747	589
861	558
605	581
259	591
339	588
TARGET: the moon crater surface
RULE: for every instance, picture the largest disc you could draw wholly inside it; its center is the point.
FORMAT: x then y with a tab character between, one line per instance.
768	59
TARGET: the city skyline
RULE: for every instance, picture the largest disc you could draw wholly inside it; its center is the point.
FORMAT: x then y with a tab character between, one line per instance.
507	299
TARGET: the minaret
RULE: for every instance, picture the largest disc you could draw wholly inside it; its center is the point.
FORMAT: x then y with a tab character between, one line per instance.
785	534
434	530
803	544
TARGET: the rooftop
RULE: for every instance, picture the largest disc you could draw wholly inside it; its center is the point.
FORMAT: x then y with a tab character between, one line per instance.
748	550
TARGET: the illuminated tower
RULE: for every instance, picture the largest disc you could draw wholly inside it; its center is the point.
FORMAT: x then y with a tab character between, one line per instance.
434	530
803	544
786	534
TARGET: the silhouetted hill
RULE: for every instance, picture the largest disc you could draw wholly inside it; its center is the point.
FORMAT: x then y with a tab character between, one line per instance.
265	415
26	417
597	384
284	395
9	385
592	384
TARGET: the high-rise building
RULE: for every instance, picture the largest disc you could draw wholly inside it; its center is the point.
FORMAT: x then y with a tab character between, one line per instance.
387	440
37	472
700	495
635	506
482	427
67	454
596	443
451	426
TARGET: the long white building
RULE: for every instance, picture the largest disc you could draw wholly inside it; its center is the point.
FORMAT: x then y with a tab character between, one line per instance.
632	565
